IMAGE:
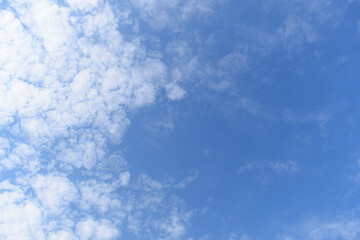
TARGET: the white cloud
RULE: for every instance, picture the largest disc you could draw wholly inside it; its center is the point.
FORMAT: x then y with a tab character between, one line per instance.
19	218
174	92
54	192
97	230
97	194
83	151
20	155
4	147
124	178
10	193
105	76
47	21
69	78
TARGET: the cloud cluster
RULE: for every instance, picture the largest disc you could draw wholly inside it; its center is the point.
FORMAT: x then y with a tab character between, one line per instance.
68	79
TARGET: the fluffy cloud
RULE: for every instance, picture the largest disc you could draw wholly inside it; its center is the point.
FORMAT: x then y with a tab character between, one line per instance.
97	230
20	218
20	155
68	80
97	194
64	78
174	92
54	192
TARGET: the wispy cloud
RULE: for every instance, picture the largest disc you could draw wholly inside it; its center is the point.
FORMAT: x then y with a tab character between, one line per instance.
159	13
278	167
315	229
256	109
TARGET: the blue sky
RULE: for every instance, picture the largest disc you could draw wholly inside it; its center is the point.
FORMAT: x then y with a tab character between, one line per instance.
179	120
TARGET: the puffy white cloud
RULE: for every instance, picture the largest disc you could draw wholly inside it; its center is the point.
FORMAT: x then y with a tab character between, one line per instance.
105	75
4	146
174	92
97	230
19	218
82	151
21	221
20	155
54	192
10	193
97	194
124	178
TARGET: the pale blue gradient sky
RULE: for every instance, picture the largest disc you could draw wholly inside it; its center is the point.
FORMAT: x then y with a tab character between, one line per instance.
194	119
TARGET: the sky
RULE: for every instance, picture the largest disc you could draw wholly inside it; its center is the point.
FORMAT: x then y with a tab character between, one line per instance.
179	120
